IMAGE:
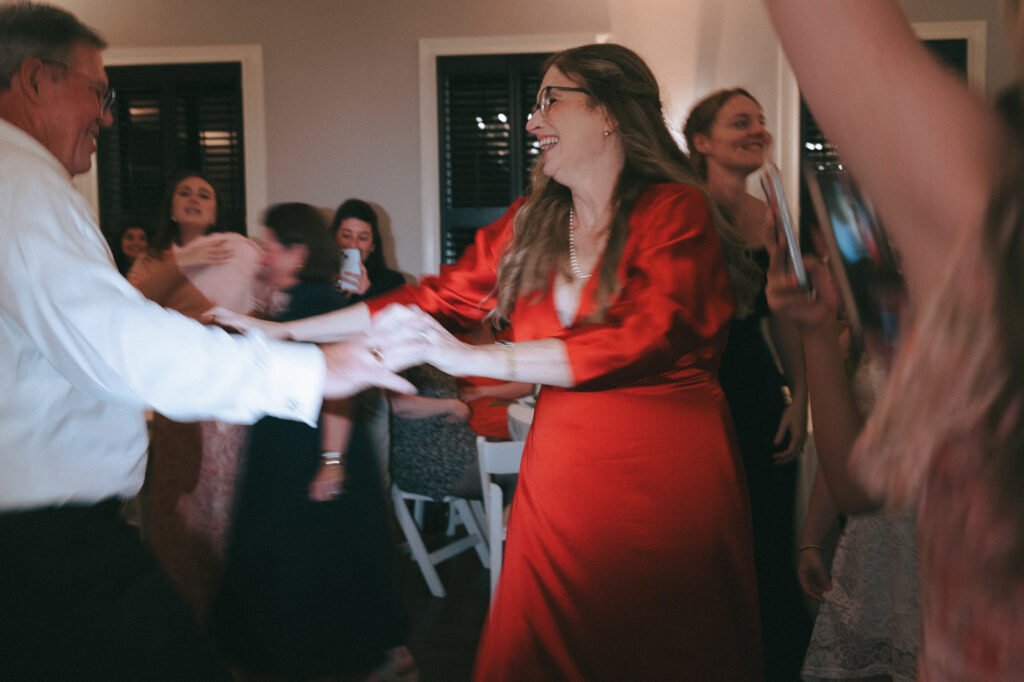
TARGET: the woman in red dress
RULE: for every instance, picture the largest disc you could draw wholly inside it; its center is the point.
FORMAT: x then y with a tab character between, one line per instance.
629	546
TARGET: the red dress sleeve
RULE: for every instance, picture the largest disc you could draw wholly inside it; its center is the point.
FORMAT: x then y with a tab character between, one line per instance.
673	312
464	291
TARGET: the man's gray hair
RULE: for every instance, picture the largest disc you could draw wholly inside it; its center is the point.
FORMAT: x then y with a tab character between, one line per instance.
29	29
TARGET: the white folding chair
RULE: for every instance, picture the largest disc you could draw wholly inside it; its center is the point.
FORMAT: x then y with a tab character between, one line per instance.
458	508
496	458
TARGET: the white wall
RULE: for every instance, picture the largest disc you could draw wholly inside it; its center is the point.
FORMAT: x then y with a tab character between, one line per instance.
341	76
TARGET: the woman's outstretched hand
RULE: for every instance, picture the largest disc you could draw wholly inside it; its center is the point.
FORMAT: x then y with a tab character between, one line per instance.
232	321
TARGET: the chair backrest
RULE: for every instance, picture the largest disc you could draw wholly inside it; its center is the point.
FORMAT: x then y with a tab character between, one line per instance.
499	457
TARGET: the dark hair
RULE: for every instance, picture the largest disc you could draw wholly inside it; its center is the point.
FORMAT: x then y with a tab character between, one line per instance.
130	221
167	231
30	30
360	210
702	117
297	223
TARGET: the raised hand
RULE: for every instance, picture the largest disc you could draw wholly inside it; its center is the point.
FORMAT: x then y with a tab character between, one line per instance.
784	296
207	250
357	284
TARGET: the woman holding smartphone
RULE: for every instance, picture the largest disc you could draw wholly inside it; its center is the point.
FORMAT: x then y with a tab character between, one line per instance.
945	439
355	227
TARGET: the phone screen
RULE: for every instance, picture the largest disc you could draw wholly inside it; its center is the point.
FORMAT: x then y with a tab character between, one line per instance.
771	183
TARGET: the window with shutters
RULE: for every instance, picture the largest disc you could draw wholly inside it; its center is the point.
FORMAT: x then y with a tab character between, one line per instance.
484	151
169	118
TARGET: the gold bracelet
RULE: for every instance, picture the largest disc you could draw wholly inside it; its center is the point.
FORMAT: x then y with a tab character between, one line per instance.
510	359
803	547
328	457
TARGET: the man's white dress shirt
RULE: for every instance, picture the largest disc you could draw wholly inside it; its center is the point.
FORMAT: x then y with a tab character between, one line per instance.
83	353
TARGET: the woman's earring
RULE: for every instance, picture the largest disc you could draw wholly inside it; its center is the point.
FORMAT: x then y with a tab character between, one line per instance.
607	133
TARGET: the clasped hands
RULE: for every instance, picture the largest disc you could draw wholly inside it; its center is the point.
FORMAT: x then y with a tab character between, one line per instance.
399	337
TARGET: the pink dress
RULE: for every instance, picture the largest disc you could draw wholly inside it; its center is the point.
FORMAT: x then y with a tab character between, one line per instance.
190	476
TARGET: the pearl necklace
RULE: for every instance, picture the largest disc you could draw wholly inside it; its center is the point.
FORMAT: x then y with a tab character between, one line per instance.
573	261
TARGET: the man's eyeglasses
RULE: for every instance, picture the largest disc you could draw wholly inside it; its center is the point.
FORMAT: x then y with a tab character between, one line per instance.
544	100
105	95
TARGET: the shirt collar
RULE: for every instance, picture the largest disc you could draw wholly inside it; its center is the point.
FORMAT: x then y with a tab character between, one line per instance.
29	145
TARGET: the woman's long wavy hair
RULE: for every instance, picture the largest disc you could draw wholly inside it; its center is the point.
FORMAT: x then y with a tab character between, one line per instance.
168	231
619	80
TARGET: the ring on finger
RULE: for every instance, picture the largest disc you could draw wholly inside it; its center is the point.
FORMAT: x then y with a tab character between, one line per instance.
377	355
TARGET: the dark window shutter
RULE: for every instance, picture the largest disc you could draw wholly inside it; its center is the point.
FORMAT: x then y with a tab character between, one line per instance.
485	153
170	118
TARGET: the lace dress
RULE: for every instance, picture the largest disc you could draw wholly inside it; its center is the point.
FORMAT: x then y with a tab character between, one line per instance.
871	620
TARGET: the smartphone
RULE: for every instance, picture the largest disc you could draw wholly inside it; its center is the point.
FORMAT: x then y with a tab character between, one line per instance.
868	273
771	183
350	263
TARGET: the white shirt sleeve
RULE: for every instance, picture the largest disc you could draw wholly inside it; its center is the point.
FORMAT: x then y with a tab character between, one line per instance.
60	286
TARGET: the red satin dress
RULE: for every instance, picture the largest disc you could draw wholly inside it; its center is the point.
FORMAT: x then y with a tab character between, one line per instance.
629	546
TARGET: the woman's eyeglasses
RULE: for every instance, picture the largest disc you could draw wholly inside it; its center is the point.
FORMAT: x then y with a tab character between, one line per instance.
544	100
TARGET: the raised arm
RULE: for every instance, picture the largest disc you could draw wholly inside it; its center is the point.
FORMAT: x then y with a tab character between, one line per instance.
920	144
837	420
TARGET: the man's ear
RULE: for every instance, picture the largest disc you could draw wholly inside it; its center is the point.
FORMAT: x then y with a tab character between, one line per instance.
29	77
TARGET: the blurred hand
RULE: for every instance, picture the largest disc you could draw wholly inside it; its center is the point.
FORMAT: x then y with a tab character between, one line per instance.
812	574
459	413
398	338
355	284
784	296
206	250
470	393
329	481
444	351
232	321
793	424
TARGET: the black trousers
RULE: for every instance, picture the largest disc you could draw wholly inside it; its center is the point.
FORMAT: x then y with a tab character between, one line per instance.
82	599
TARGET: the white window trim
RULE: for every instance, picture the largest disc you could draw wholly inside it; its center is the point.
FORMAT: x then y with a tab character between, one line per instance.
253	116
788	114
430	50
976	35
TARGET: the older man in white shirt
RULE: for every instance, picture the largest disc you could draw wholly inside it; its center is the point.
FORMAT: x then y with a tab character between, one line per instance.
82	353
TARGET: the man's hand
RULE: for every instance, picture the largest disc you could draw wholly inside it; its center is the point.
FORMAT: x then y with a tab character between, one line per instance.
397	340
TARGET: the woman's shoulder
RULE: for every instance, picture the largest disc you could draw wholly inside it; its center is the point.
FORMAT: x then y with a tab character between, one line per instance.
664	202
664	195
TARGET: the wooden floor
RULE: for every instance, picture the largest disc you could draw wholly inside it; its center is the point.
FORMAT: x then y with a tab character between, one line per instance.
443	633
